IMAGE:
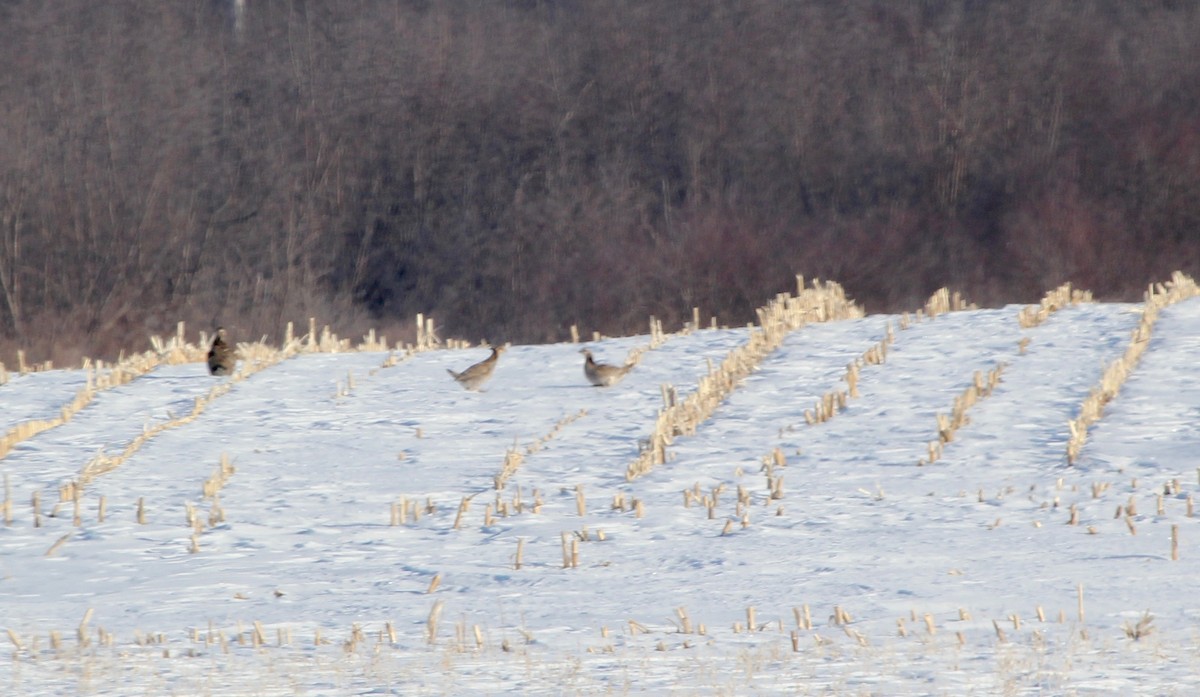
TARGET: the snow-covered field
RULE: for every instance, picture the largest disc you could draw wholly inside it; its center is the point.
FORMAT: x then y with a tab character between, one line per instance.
337	555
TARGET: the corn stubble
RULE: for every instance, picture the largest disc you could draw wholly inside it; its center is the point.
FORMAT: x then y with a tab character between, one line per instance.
1157	297
1061	297
784	314
823	302
981	387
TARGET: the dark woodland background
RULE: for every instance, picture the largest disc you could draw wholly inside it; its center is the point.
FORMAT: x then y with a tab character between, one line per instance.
514	167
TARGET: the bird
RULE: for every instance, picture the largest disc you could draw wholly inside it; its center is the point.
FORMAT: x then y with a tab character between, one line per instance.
473	378
222	357
602	374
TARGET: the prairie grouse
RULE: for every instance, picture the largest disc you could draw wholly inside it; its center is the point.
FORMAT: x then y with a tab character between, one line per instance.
602	374
473	378
222	357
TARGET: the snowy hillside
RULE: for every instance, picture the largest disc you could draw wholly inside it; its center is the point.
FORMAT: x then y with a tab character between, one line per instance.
331	523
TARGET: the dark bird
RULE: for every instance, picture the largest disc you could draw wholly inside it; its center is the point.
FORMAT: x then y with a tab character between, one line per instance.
473	378
222	357
602	374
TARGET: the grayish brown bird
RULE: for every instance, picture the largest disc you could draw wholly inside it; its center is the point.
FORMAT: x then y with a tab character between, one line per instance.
602	374
222	357
473	378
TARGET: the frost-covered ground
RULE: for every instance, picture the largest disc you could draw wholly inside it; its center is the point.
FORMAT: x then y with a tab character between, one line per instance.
952	578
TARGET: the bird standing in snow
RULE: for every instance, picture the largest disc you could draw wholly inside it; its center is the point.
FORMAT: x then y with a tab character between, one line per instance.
473	378
222	357
602	374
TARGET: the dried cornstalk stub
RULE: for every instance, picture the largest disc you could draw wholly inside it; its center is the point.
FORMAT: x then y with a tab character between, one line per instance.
431	622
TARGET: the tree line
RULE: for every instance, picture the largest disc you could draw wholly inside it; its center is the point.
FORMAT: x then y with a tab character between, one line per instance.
518	166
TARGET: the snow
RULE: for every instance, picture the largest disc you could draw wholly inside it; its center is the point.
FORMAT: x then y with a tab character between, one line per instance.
920	578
